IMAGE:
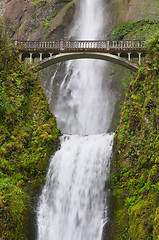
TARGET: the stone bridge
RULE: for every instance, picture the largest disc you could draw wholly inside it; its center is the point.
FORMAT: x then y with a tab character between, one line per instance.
49	53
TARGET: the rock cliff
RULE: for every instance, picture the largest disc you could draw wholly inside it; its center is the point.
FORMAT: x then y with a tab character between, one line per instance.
37	19
134	200
50	19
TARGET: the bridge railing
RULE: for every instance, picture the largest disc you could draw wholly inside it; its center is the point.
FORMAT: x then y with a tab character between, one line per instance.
103	45
81	45
85	45
37	45
131	44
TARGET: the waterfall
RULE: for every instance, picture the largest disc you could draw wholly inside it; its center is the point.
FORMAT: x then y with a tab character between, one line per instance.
73	204
88	107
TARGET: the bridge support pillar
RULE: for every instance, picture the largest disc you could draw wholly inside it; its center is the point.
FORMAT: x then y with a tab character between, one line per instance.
119	54
129	54
31	58
20	57
51	54
139	58
41	56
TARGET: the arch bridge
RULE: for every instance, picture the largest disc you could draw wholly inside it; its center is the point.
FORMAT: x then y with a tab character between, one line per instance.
48	53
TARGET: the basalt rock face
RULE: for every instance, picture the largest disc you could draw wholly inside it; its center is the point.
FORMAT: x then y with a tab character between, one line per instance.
37	19
124	11
50	19
136	20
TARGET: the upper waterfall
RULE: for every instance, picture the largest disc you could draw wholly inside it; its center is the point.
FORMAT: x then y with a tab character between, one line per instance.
90	22
84	105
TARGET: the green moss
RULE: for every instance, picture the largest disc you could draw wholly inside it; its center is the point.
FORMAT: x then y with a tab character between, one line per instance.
156	224
43	2
28	134
140	30
136	151
35	1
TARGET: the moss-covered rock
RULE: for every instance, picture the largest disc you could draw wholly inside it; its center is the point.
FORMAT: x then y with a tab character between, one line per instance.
124	11
135	188
135	30
28	136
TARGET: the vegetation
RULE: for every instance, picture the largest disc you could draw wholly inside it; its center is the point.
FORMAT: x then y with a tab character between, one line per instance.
135	178
35	1
140	30
137	30
28	135
45	1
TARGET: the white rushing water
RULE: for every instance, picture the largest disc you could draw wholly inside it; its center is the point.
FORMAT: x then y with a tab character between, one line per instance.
73	200
87	109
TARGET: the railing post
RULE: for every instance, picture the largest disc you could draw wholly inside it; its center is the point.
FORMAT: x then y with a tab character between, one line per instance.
138	44
121	45
61	45
142	44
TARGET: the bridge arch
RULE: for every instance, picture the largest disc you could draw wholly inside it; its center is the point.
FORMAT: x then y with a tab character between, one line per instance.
61	57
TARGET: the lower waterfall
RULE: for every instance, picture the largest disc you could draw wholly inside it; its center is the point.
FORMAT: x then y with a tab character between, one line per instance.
73	204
